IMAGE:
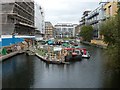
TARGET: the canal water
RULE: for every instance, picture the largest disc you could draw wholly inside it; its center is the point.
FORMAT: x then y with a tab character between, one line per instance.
23	71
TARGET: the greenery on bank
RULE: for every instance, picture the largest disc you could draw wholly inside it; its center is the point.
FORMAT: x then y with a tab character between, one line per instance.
87	33
41	52
110	29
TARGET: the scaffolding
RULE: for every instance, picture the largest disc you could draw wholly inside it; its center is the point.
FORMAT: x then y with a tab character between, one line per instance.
17	17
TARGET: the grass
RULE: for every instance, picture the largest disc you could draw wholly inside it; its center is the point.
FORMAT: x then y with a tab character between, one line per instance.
41	52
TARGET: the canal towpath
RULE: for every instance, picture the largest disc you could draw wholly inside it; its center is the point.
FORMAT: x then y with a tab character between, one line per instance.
95	43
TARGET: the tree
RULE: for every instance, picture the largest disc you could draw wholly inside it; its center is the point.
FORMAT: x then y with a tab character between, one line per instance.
110	29
118	22
87	33
118	8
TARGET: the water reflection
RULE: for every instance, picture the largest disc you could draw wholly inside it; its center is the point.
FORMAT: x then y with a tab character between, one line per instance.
112	80
17	72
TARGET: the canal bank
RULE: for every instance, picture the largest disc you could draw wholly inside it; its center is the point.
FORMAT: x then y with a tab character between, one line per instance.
12	50
11	45
102	46
4	57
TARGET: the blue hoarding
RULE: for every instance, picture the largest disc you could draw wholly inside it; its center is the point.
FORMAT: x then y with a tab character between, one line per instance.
10	41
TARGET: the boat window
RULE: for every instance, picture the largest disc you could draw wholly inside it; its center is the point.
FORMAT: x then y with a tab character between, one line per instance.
77	52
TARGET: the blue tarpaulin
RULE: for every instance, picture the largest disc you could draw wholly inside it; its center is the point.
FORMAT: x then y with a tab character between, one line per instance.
50	42
7	40
0	44
10	41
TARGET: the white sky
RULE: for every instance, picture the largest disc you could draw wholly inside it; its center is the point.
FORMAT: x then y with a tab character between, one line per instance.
66	11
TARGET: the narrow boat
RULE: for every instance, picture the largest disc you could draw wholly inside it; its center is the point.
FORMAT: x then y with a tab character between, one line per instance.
73	55
76	54
85	53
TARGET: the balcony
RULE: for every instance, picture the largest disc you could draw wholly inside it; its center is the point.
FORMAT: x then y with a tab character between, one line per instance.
105	17
82	23
93	15
95	21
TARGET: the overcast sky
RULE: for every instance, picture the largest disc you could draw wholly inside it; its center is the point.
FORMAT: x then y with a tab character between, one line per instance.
66	11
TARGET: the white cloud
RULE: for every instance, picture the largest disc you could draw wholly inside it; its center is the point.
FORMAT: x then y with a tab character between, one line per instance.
57	11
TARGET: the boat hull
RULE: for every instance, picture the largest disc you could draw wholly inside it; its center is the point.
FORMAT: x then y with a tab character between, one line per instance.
86	56
71	58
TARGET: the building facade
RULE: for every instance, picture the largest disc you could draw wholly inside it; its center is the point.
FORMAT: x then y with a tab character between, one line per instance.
111	8
94	18
17	17
99	15
49	30
39	20
84	18
64	30
77	30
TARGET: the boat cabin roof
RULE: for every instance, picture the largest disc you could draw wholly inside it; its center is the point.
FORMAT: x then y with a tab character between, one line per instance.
57	49
75	48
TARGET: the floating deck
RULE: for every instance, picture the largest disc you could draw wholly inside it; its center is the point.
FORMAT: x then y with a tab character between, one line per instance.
51	61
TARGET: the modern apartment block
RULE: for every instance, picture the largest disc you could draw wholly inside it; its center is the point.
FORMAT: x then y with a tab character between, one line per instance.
84	17
49	30
17	17
63	30
99	15
39	20
95	18
111	8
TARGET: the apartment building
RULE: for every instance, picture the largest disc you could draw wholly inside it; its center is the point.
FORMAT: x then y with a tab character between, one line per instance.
17	17
49	30
95	18
77	30
64	30
84	18
39	20
110	8
99	15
